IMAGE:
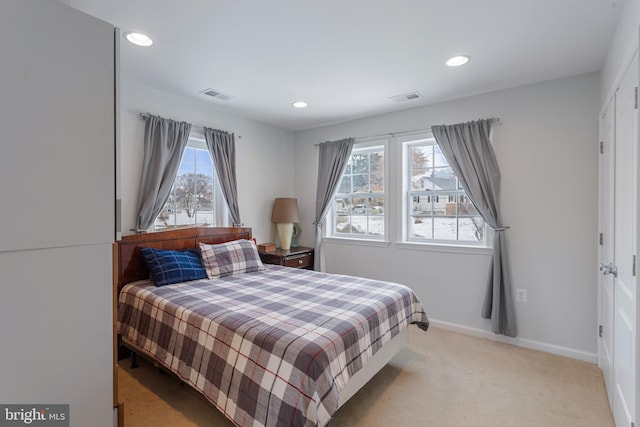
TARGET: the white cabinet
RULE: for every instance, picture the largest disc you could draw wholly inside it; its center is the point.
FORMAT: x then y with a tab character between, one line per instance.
57	192
57	126
55	329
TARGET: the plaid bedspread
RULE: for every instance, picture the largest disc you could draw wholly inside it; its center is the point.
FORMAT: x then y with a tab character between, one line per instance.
270	348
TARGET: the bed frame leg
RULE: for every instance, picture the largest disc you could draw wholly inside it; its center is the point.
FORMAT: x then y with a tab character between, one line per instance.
134	360
123	351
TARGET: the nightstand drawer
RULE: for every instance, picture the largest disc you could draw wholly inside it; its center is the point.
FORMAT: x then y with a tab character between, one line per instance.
299	257
302	261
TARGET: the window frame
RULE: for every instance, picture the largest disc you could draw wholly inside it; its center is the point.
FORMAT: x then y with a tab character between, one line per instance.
330	234
219	212
405	142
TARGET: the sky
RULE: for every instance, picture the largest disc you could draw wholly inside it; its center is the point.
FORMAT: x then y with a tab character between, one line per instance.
202	162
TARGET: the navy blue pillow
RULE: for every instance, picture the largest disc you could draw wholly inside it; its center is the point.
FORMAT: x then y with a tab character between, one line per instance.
167	266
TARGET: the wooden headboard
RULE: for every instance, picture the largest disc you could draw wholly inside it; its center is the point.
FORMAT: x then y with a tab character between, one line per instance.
127	261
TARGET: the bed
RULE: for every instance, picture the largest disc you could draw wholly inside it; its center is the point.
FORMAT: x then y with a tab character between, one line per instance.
276	346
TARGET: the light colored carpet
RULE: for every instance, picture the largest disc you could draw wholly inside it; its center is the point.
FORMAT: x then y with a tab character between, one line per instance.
440	379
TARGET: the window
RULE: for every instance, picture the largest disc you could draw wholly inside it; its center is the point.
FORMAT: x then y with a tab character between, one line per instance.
431	207
193	194
437	209
359	205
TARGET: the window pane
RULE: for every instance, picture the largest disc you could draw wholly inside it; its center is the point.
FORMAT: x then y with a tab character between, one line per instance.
359	208
343	225
421	227
448	205
444	179
422	205
422	180
376	206
204	217
166	218
438	157
421	157
342	217
351	224
204	165
358	224
361	183
471	229
465	207
444	228
345	185
359	205
204	188
377	162
185	199
377	183
360	163
341	206
204	208
442	205
376	225
187	162
418	180
186	207
421	162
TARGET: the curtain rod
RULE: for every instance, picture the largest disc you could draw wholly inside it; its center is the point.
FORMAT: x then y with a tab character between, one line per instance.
145	115
493	120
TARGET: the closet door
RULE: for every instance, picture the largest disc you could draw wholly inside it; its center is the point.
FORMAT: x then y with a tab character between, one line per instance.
625	248
606	282
618	248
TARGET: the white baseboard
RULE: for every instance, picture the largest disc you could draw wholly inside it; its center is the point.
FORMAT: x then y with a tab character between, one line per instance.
520	342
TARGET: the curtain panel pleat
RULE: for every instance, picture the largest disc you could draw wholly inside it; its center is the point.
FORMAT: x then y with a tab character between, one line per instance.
467	148
164	143
222	148
332	162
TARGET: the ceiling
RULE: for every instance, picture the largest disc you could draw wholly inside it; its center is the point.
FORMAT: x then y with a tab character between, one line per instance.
347	58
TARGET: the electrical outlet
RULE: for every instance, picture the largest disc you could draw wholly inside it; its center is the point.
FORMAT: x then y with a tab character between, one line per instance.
521	295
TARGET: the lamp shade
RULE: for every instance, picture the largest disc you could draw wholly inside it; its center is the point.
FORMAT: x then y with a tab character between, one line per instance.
285	210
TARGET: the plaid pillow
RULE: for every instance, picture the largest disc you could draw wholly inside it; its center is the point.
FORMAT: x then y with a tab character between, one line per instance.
167	266
230	258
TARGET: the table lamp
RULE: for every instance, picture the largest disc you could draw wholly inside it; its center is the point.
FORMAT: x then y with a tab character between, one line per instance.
285	213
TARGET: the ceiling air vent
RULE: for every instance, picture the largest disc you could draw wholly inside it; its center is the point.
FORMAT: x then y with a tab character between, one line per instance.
406	97
216	94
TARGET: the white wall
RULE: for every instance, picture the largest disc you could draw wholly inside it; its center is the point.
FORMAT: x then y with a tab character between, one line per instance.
546	146
624	43
264	154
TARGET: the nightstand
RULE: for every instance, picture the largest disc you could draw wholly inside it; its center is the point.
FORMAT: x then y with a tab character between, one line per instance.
300	257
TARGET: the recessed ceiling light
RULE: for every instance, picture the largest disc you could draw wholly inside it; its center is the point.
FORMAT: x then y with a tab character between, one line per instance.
138	38
456	61
300	104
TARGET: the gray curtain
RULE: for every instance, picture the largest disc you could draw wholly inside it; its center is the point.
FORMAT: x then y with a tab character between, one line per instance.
164	142
222	147
467	148
333	159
